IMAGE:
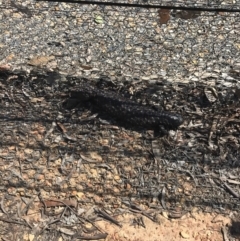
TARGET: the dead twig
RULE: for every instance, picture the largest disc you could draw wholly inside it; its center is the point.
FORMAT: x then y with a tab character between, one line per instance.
106	216
95	237
231	190
224	232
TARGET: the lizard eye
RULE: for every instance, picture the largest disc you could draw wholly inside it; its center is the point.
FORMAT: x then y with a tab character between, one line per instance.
177	119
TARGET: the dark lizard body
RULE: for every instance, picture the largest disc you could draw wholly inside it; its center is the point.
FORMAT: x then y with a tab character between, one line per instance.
126	110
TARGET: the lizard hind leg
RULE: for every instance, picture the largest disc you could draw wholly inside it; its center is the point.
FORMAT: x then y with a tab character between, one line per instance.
160	131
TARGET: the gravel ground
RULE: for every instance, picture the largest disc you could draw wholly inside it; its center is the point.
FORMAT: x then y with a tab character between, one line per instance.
51	156
123	43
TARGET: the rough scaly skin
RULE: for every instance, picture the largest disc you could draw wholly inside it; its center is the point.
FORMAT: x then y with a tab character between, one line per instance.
124	109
